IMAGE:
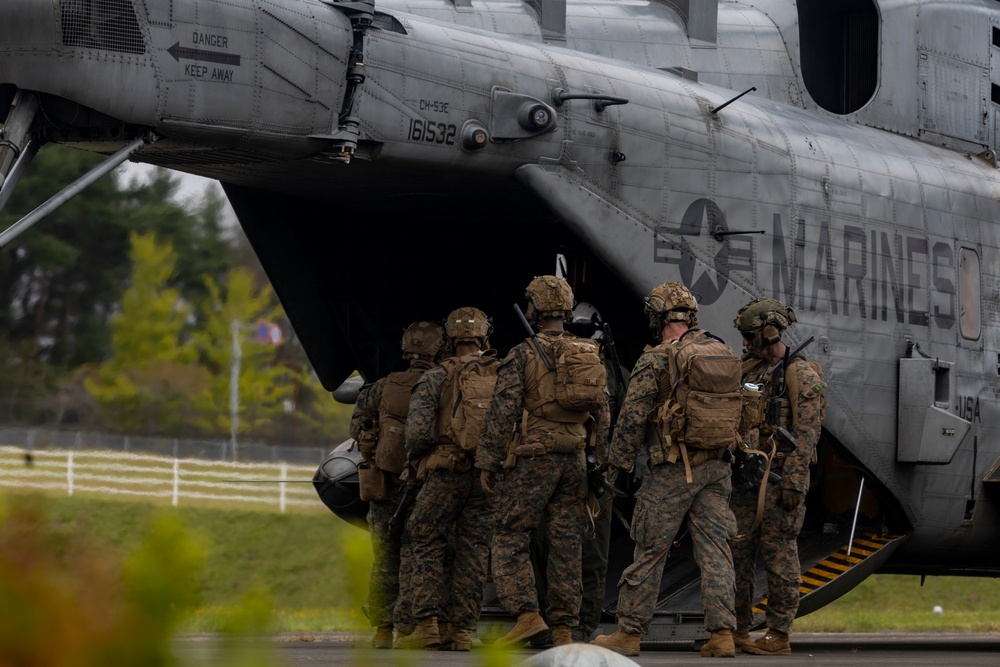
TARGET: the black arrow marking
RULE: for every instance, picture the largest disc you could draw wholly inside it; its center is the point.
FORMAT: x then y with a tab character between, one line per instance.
178	52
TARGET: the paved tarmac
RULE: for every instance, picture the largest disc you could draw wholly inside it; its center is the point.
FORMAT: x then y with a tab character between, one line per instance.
812	649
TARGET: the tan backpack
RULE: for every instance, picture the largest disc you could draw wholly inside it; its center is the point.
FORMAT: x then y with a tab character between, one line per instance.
393	407
465	404
704	412
580	382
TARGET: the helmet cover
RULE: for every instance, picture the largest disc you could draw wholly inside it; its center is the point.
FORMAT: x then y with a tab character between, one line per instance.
549	296
768	316
468	324
671	302
423	339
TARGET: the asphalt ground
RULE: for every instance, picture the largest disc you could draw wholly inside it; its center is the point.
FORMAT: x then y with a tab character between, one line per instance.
823	649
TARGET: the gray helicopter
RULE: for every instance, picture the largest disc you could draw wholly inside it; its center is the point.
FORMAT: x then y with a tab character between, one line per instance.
392	160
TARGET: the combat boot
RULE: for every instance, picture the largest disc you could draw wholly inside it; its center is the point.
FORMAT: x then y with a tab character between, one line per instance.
720	645
622	641
775	642
741	638
425	635
460	640
561	635
529	624
383	637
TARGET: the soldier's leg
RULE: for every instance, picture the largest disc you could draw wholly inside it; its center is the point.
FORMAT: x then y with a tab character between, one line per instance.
538	550
744	549
524	493
594	565
780	553
402	611
564	515
661	504
384	582
433	514
473	532
712	525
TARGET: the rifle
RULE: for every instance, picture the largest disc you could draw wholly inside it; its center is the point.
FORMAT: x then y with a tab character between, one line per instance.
597	481
534	337
398	518
612	354
785	441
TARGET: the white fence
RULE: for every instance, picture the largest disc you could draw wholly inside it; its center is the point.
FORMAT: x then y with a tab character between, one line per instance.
194	482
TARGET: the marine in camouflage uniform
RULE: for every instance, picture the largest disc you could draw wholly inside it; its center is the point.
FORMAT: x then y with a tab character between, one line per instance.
667	496
795	388
422	342
597	533
550	483
451	504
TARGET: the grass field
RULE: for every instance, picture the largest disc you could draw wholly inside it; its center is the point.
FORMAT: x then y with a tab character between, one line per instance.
313	570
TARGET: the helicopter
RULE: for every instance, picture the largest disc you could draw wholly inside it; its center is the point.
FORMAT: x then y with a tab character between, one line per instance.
390	160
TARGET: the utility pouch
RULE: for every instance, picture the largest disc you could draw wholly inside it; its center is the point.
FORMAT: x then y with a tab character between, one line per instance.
367	440
371	483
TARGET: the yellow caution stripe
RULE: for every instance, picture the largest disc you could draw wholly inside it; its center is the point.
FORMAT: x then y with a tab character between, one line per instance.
836	564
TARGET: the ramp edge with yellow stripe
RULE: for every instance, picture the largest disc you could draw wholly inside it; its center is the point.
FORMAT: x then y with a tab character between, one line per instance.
839	572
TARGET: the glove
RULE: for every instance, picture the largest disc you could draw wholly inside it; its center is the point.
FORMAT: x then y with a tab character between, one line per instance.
790	499
487	479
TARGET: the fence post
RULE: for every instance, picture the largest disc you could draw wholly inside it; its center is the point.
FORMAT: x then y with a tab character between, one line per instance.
177	480
284	476
69	473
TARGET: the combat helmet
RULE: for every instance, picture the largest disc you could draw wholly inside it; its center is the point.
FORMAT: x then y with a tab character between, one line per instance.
769	316
423	340
468	324
586	321
670	302
548	296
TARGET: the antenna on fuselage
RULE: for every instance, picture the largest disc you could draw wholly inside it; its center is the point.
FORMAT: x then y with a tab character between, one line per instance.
723	106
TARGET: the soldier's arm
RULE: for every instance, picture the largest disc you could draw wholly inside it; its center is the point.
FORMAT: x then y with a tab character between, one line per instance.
806	409
366	407
422	414
504	412
640	399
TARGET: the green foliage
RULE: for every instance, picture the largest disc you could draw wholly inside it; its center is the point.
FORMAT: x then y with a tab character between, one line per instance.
60	281
264	386
323	418
67	603
297	558
98	300
152	374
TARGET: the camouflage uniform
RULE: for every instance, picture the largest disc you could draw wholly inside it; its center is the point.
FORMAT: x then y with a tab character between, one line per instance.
451	504
388	552
552	485
662	502
775	537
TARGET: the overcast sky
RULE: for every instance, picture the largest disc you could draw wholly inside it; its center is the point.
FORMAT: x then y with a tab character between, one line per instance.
191	192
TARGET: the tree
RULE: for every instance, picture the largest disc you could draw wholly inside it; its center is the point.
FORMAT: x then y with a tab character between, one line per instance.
61	280
263	385
152	378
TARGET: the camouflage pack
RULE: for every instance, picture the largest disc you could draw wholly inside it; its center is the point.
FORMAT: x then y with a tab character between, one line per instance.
579	384
704	411
464	405
393	407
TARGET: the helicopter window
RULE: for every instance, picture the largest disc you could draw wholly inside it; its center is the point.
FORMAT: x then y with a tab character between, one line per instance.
839	51
969	320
